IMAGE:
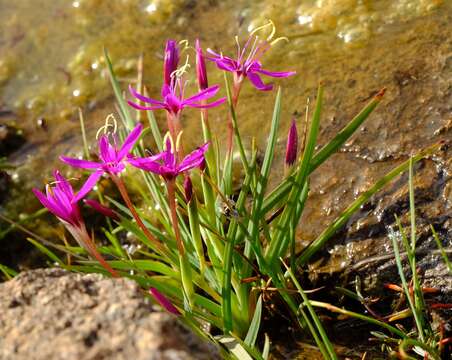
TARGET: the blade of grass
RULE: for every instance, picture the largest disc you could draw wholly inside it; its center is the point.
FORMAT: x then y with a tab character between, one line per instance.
341	220
8	272
46	251
283	189
123	106
306	302
398	260
253	331
441	249
280	241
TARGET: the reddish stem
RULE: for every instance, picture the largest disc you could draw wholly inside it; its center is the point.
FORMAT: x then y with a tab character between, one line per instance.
125	195
81	235
172	203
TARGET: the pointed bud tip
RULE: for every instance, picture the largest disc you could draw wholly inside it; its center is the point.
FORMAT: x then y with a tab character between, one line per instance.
188	189
292	144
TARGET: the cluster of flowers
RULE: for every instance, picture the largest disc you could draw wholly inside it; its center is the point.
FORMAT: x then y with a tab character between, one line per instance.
60	198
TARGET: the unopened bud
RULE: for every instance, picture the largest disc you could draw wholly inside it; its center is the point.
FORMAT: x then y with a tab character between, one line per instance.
171	60
163	301
101	209
188	188
292	144
201	72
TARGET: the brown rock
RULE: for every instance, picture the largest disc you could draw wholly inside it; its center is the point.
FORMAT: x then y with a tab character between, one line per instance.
54	314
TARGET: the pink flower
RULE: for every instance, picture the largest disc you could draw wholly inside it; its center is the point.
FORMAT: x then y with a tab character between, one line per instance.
249	66
61	200
112	158
173	98
166	164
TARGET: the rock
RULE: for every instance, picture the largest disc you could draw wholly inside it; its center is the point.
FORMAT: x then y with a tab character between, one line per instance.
11	138
54	314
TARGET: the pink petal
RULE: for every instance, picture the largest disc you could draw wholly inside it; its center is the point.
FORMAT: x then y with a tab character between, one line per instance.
258	83
55	210
63	184
194	159
143	98
104	151
140	107
146	164
88	185
78	163
202	95
279	74
204	106
130	141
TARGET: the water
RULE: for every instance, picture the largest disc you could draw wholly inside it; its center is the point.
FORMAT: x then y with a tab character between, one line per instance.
51	63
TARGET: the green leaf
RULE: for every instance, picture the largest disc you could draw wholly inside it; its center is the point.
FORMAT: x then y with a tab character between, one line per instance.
8	272
123	106
157	135
280	241
341	220
46	251
251	336
234	347
282	190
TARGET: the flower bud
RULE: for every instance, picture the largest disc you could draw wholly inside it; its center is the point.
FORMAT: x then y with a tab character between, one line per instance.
163	301
101	209
188	188
171	61
201	72
292	144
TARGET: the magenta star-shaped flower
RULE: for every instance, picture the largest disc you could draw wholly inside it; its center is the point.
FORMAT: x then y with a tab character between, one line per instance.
61	200
166	164
113	159
173	100
249	66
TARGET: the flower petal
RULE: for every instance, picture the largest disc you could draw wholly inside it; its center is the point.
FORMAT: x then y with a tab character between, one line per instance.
202	95
104	152
194	159
79	163
55	210
146	164
278	74
258	83
87	186
143	98
140	107
130	141
63	184
204	106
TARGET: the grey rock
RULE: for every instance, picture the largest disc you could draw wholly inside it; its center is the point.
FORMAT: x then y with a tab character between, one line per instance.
51	314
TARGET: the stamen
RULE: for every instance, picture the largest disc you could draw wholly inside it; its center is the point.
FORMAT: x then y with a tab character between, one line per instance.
279	39
58	182
182	70
270	23
185	44
107	126
178	140
238	46
272	33
165	140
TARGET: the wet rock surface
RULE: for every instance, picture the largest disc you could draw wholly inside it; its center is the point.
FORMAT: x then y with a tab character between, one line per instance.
53	314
